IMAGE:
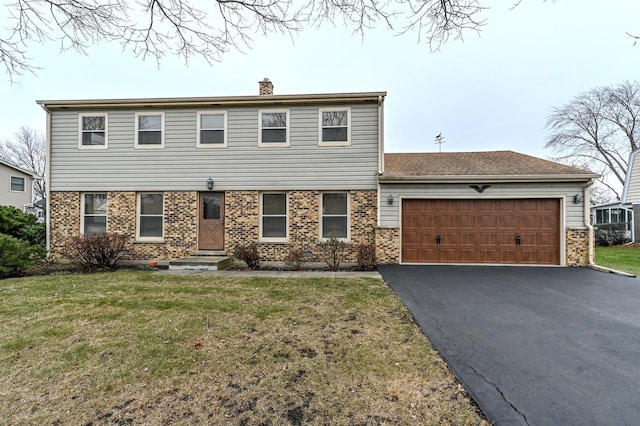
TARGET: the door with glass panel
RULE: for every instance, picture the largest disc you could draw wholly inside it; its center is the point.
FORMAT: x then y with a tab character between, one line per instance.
211	221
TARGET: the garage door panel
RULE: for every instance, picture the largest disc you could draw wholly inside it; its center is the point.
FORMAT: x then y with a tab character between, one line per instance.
481	231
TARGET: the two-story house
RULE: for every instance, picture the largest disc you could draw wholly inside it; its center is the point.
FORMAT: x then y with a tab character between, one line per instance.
16	186
182	175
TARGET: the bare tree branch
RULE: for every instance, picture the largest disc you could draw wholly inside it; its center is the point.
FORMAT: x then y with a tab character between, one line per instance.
598	128
191	28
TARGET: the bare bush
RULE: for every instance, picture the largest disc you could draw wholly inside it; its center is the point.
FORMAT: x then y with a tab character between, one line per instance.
98	251
366	257
332	252
248	253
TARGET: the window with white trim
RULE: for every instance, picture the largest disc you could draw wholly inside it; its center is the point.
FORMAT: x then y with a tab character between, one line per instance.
149	130
274	216
273	128
150	216
335	215
93	131
335	126
212	131
17	184
94	213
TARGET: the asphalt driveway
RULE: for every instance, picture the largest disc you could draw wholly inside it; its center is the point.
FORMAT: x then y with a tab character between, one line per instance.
537	346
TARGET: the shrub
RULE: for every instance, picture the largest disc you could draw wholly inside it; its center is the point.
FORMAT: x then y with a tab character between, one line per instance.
332	252
98	251
366	257
295	258
15	223
17	255
248	254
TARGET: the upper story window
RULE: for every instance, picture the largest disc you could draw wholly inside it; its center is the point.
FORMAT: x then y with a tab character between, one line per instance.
274	128
93	131
335	215
149	130
212	127
94	213
17	184
151	216
274	217
335	129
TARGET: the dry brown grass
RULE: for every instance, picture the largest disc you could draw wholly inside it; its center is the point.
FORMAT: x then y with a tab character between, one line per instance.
134	347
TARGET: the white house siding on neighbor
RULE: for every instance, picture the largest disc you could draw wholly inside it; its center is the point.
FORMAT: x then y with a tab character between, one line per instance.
12	197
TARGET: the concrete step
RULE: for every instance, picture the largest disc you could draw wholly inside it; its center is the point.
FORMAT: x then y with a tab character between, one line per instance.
201	262
217	253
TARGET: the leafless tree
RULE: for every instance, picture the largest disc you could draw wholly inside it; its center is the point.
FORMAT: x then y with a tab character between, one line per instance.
598	129
194	28
27	150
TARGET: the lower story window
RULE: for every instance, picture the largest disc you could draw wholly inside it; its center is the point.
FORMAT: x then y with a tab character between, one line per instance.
335	215
150	216
94	213
273	216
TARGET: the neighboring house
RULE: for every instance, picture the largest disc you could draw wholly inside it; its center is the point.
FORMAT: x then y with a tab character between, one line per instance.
16	186
631	191
613	222
183	175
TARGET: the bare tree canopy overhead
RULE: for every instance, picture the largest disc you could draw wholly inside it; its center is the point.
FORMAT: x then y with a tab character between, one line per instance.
27	150
598	129
208	29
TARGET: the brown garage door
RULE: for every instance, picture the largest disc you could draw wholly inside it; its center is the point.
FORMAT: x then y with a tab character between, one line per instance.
522	231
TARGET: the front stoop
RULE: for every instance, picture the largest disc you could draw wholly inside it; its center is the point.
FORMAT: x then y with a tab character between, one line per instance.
201	263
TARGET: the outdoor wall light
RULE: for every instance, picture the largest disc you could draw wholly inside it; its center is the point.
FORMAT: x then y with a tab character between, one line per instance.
577	198
390	200
209	183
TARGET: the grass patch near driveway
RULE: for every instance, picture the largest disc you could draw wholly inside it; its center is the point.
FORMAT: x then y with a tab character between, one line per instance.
135	347
622	258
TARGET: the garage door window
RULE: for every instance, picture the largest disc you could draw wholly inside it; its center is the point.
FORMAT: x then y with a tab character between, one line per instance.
335	215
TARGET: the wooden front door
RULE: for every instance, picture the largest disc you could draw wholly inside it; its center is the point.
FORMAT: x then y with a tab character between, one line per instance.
211	221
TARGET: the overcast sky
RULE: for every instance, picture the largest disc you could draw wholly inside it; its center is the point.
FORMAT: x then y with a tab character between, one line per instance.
491	92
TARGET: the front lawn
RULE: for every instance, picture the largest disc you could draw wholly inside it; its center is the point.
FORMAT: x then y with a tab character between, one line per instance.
622	258
136	347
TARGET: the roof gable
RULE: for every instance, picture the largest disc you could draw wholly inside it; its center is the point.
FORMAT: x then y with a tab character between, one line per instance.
16	168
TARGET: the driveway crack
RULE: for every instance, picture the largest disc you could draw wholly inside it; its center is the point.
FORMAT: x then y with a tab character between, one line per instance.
504	398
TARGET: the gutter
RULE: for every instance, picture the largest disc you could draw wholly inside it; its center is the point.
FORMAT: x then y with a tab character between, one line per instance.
587	177
215	101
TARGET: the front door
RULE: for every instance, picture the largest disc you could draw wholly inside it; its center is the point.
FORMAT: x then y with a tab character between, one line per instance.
211	221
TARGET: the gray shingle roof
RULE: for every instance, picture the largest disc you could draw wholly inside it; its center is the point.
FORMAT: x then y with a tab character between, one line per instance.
489	163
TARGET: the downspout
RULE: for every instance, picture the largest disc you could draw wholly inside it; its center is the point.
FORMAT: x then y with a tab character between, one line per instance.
47	181
380	151
587	220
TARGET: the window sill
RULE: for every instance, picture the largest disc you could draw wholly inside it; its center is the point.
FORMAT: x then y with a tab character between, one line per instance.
149	241
273	241
343	143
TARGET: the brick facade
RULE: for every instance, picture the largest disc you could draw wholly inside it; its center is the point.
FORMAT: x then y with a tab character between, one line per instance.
388	245
242	223
242	226
577	250
242	220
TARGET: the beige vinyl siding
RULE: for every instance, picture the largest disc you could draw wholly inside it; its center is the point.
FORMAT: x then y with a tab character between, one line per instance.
180	165
12	198
574	213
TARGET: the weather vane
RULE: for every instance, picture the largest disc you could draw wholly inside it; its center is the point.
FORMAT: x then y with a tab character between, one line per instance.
440	140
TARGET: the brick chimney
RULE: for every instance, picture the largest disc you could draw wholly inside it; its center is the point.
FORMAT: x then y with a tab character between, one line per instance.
266	87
